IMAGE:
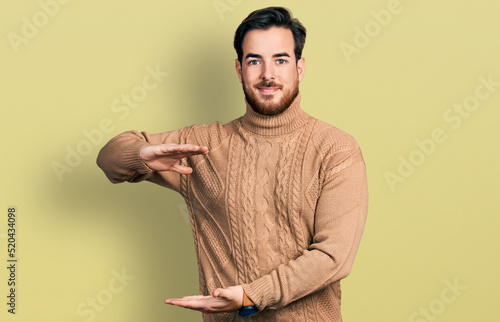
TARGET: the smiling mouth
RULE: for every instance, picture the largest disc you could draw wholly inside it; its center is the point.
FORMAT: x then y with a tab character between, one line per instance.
268	89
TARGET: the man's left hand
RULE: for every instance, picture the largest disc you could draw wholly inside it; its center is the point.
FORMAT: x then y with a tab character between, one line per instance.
227	299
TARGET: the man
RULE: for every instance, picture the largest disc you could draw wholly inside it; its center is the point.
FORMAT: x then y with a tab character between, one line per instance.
277	199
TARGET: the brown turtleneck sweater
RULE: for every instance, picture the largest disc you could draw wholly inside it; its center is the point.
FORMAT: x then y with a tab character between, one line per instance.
278	205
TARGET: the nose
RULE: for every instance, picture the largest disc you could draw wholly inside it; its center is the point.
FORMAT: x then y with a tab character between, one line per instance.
267	72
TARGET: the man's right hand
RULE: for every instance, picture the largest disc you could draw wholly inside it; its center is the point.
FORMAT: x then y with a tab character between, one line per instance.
165	157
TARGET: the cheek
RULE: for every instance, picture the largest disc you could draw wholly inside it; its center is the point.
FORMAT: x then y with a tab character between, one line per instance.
251	75
290	76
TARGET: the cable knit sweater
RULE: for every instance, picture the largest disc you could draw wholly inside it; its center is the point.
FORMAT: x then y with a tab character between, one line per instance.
278	205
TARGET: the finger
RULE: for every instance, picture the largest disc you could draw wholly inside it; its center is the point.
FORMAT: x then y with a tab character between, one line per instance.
169	301
193	297
218	292
221	292
182	169
178	154
183	148
189	304
207	304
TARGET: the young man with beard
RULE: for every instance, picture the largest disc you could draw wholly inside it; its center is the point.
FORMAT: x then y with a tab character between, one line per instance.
277	199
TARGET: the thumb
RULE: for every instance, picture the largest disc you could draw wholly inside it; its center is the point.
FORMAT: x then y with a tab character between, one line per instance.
182	169
218	292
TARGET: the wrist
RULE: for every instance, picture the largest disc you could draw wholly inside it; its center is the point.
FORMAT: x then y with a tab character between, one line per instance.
246	301
248	307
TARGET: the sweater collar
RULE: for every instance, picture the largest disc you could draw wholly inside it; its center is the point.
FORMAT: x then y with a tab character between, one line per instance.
283	123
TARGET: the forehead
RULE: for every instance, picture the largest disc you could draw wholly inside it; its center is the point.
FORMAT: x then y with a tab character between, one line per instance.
269	41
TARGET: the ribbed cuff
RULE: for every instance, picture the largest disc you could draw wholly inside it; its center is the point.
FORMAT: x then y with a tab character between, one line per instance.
133	161
261	292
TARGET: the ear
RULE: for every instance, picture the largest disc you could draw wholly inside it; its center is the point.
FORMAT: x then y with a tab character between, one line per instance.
301	68
238	68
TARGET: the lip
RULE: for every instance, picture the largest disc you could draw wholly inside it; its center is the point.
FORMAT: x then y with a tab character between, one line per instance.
268	89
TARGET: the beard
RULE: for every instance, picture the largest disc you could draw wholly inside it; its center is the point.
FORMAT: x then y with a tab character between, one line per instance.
265	106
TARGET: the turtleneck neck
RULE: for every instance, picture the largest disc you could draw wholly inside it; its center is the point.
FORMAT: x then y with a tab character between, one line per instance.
283	123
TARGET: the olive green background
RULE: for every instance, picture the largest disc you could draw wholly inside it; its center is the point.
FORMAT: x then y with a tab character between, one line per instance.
387	72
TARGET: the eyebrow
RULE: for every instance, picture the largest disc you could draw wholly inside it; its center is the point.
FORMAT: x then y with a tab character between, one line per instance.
250	55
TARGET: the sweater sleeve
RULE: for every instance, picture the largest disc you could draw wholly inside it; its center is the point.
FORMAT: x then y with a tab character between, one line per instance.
338	225
120	161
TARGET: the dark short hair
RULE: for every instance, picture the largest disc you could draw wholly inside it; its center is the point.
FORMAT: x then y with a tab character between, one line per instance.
270	17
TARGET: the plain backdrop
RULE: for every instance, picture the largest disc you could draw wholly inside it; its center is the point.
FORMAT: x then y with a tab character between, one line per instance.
417	83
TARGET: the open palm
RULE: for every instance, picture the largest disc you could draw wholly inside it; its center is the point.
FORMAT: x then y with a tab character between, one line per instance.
165	157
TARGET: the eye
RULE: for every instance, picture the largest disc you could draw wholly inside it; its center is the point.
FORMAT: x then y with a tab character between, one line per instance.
253	62
280	61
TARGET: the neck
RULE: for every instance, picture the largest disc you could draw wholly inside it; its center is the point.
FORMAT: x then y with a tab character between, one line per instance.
288	121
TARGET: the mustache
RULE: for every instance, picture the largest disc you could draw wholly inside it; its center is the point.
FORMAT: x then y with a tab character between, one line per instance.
265	83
